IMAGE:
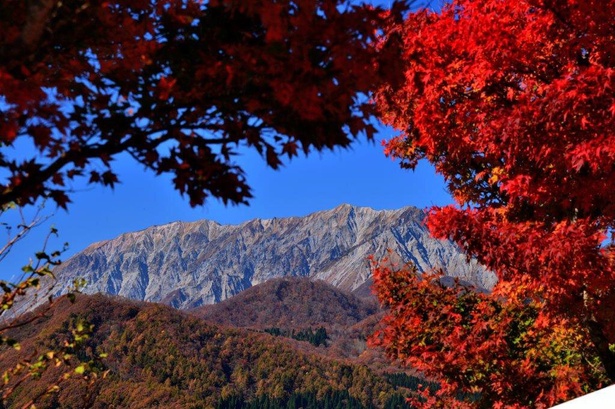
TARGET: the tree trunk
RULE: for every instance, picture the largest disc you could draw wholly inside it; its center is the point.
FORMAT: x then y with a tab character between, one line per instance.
598	336
601	343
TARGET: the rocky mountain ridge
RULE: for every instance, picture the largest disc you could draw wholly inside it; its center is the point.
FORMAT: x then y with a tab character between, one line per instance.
187	265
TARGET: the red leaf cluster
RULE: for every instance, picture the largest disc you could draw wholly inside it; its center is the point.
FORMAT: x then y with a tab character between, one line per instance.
511	102
181	86
483	350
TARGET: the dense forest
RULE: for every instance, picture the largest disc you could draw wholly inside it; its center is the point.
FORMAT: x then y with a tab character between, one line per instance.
317	338
156	356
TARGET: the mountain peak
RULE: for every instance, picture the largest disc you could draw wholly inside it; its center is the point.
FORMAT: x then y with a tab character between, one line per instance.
345	207
188	264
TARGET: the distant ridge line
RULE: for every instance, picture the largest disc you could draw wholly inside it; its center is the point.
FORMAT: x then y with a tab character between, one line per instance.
188	264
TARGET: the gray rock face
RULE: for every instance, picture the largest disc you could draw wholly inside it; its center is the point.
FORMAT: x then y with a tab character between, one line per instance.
191	264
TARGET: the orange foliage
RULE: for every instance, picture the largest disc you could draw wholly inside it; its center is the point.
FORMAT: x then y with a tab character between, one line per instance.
512	102
485	350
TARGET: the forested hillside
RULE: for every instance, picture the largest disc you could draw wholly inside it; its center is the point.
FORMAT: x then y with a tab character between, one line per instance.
291	302
160	357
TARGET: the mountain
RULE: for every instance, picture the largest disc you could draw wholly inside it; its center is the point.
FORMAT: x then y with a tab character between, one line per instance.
304	309
187	265
159	357
289	303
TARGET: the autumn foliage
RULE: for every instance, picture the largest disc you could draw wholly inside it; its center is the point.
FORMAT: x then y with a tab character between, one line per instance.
483	351
181	86
513	103
160	357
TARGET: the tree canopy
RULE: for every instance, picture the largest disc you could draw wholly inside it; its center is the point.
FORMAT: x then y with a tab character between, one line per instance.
513	103
181	86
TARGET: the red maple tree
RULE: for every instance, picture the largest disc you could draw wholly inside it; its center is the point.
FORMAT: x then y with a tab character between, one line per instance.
513	103
181	86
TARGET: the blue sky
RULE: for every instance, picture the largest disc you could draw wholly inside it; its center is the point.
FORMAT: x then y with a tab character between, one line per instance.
361	176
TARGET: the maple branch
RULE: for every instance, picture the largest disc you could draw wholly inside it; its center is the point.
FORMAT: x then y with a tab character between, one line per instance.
38	16
20	323
25	228
168	130
35	182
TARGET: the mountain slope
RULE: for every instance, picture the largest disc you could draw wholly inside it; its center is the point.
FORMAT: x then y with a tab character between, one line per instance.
298	308
161	357
191	264
289	303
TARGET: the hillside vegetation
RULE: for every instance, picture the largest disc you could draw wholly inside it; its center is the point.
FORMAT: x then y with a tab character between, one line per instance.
161	357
